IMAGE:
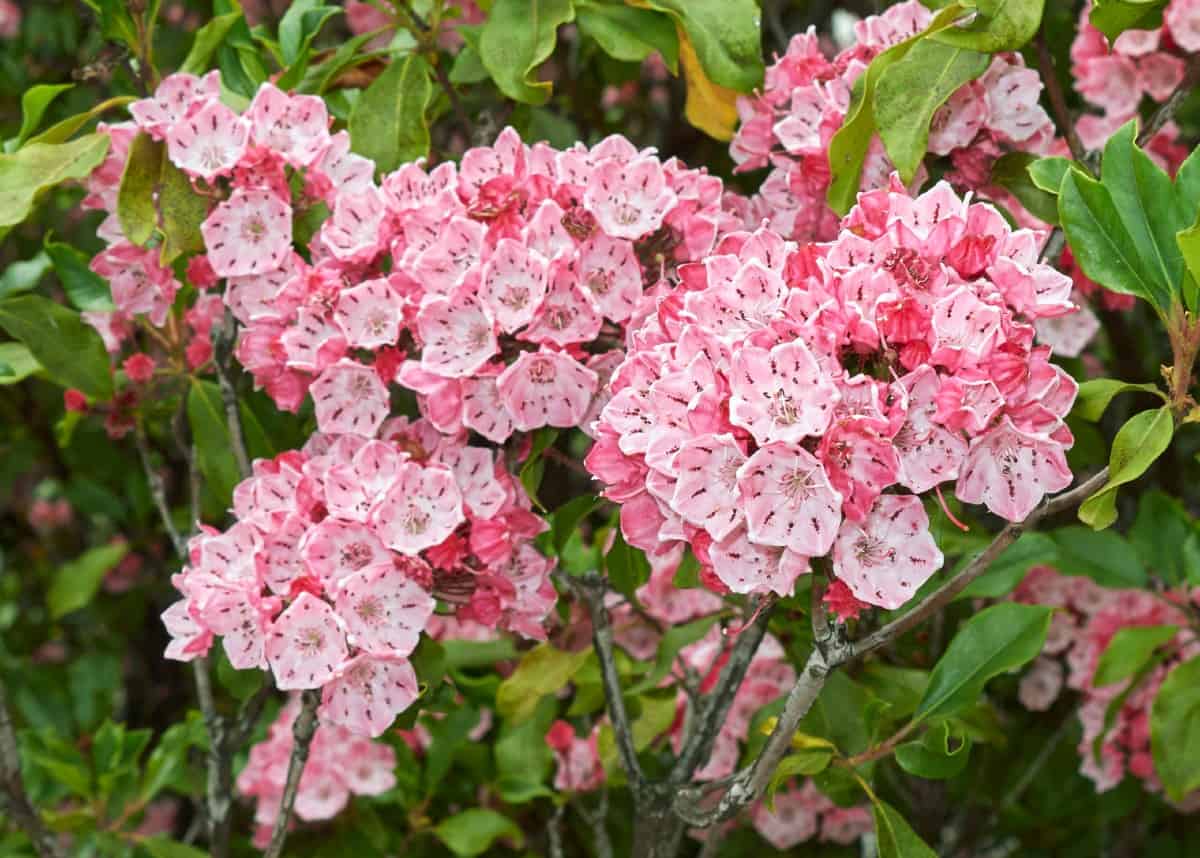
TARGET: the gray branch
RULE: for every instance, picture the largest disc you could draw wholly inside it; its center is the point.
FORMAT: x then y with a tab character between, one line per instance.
302	734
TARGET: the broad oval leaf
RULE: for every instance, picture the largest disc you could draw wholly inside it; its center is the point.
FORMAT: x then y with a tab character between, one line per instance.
1137	446
388	123
77	582
894	837
70	350
994	641
1096	393
1128	651
941	753
37	166
543	670
1175	730
473	831
518	37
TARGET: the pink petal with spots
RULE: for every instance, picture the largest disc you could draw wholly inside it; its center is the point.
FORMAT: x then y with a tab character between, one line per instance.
306	644
249	233
421	509
458	334
513	284
335	549
369	314
706	491
781	394
789	500
367	695
350	399
384	611
745	566
609	269
484	411
475	472
567	315
208	143
1010	471
546	389
884	558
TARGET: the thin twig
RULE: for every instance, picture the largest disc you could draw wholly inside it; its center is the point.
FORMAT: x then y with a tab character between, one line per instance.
590	589
695	806
17	806
1166	111
302	734
554	832
187	448
597	820
248	716
158	492
224	337
714	707
1058	103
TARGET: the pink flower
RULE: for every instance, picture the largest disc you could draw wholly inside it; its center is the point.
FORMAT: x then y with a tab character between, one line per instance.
209	142
296	126
369	314
383	612
306	644
546	388
789	500
884	558
423	507
1010	471
458	333
350	399
177	97
250	233
780	394
367	694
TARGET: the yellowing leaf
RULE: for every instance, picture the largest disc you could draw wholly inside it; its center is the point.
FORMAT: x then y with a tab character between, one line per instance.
710	107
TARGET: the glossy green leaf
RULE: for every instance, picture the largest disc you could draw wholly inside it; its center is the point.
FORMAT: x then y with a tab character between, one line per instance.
849	145
135	198
567	517
77	582
317	77
1137	446
804	763
116	21
1102	555
1047	173
17	363
1113	17
1128	651
912	89
627	567
724	35
86	290
518	37
542	670
473	831
60	132
994	641
1175	730
206	40
24	275
388	123
299	25
1167	538
1001	25
33	168
210	432
34	103
894	837
941	753
1013	172
71	352
629	34
1095	394
534	467
182	211
523	759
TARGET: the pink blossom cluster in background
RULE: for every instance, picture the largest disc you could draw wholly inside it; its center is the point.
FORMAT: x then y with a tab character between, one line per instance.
340	764
804	100
329	575
803	812
1088	618
768	404
1140	64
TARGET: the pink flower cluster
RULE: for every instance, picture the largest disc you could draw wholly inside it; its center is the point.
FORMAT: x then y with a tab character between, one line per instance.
787	403
329	576
577	759
803	812
340	764
1138	64
1088	619
804	101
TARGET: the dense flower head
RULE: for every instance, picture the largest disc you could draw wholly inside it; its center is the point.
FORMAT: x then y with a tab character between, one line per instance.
341	551
340	764
1116	741
787	403
788	125
1139	64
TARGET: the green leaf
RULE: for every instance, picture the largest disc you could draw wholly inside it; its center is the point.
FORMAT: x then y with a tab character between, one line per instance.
1175	730
518	37
135	198
1102	555
1013	171
627	567
182	210
17	363
24	275
1166	538
543	670
37	166
725	35
849	145
465	653
473	831
531	472
206	40
76	583
70	350
299	25
1002	25
1095	394
388	122
33	106
894	837
901	687
1113	17
317	78
85	289
994	641
1137	446
912	89
941	753
116	21
1128	651
673	640
629	34
164	847
523	759
1047	173
657	714
210	432
566	518
807	762
240	683
60	132
1007	570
